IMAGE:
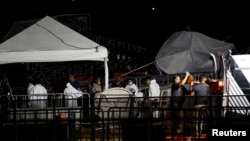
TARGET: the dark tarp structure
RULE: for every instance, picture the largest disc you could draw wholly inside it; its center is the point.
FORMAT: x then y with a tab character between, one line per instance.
190	51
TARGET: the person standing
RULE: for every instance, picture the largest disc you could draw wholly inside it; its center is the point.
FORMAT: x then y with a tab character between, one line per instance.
154	88
177	101
30	86
38	95
153	94
59	86
118	82
96	86
201	91
29	91
71	94
75	83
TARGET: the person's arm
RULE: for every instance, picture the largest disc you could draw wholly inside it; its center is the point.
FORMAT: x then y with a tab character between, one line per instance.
65	91
127	87
150	91
185	79
192	92
78	86
136	89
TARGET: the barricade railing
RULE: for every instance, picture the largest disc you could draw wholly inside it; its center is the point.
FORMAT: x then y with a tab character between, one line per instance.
197	124
50	111
118	117
44	102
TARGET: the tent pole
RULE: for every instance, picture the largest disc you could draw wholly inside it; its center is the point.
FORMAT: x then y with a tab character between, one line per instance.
215	65
158	68
137	69
106	73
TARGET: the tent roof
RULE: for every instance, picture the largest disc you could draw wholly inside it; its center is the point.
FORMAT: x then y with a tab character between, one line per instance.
189	51
18	27
50	41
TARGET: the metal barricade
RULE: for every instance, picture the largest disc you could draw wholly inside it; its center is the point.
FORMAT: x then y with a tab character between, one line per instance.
21	121
125	119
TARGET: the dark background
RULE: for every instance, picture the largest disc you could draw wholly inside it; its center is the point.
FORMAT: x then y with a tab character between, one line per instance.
136	20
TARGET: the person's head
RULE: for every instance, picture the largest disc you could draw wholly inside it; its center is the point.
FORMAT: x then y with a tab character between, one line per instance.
190	80
71	78
130	81
118	78
203	79
148	79
68	85
177	79
58	77
98	80
36	81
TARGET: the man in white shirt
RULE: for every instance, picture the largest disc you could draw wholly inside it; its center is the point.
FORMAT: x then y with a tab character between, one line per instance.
154	88
38	95
71	94
131	86
153	94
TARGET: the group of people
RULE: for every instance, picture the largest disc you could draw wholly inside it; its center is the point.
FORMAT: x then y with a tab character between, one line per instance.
189	94
38	94
181	91
153	87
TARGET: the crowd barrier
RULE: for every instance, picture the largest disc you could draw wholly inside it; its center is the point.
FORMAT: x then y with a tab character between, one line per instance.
114	117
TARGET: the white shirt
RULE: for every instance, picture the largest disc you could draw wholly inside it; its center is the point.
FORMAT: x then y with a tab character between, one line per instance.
38	96
38	89
132	87
71	91
154	89
30	86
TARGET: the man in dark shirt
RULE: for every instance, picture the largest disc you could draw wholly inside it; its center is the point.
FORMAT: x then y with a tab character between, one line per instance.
118	82
177	102
201	91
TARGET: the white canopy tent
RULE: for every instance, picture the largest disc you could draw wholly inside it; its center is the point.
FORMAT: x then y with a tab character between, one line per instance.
50	41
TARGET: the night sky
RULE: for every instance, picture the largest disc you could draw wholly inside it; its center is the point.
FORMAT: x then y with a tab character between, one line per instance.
150	21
